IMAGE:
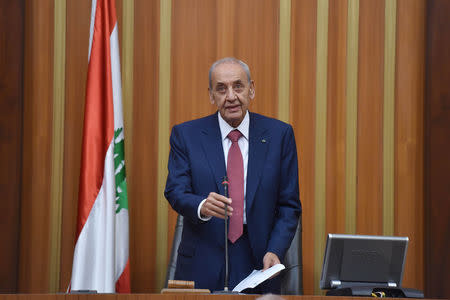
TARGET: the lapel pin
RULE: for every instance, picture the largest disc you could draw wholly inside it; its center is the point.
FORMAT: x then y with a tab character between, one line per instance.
263	140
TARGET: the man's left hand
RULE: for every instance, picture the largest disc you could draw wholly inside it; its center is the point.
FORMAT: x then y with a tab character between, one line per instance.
269	260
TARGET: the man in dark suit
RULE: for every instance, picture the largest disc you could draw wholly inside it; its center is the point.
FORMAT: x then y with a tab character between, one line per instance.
259	156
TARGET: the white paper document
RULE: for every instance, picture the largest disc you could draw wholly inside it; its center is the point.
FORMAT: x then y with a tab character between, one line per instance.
258	276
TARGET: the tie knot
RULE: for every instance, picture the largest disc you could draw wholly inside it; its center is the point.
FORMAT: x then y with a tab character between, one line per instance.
234	135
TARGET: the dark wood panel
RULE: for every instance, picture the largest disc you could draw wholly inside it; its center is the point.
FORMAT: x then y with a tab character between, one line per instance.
409	102
77	47
370	118
302	117
437	145
336	117
11	107
33	274
142	189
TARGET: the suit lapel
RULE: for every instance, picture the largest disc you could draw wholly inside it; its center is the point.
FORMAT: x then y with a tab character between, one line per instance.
212	146
257	151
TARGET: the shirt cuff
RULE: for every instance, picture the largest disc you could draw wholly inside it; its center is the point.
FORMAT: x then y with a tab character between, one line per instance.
198	212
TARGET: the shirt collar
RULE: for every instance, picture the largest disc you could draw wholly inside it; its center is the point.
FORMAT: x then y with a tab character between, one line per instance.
225	128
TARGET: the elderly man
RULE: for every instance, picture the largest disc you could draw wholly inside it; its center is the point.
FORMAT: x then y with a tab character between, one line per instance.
258	155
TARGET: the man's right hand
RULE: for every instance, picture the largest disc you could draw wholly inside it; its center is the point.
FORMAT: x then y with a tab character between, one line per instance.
214	206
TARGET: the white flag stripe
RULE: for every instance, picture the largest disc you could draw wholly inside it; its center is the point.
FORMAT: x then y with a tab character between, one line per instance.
94	256
122	217
91	27
116	79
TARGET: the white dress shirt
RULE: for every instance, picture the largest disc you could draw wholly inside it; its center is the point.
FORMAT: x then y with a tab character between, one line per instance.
225	129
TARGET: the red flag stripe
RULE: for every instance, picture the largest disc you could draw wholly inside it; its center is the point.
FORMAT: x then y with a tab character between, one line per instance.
98	130
123	283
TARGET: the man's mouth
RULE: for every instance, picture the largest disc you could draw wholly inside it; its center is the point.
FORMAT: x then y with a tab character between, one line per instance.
233	108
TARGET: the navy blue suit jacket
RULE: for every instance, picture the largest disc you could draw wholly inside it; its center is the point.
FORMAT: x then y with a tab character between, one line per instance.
196	168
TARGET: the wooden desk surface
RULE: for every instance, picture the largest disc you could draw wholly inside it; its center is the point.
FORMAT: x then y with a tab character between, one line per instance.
158	297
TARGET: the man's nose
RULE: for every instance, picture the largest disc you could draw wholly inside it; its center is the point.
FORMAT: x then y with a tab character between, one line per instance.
231	95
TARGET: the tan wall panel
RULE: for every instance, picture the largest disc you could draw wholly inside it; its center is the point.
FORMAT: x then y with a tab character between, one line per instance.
370	117
302	105
202	33
409	138
77	47
37	134
194	46
195	40
336	117
256	42
119	15
142	190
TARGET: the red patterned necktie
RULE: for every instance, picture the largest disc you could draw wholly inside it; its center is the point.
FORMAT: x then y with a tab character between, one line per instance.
235	172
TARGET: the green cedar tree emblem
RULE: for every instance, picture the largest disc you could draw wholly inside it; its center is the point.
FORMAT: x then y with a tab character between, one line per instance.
119	171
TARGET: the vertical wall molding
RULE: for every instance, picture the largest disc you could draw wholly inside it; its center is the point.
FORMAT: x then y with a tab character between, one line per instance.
437	143
11	137
389	116
321	138
163	137
409	217
36	213
127	77
352	115
336	117
59	60
284	60
369	208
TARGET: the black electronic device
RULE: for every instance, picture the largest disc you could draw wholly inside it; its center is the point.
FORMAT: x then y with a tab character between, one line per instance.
365	265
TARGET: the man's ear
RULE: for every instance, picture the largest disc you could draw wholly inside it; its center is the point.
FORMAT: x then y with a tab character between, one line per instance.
252	89
211	98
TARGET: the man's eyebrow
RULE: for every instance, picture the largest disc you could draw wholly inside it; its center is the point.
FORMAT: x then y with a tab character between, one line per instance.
220	83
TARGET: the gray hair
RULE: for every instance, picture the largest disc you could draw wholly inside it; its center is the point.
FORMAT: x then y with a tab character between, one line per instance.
229	60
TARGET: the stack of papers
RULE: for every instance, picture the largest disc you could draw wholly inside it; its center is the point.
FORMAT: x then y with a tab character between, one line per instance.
258	276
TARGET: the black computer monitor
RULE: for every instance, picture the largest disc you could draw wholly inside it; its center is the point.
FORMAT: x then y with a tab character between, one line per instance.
352	260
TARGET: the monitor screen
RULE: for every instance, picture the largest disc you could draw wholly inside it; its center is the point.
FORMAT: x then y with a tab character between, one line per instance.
363	259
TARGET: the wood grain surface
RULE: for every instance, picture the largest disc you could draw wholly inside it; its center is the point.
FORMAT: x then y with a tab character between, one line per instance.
203	31
12	20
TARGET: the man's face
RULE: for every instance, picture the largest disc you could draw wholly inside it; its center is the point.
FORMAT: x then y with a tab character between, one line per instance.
231	92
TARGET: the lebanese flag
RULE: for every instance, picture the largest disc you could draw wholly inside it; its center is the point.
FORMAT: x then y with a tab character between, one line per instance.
101	259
